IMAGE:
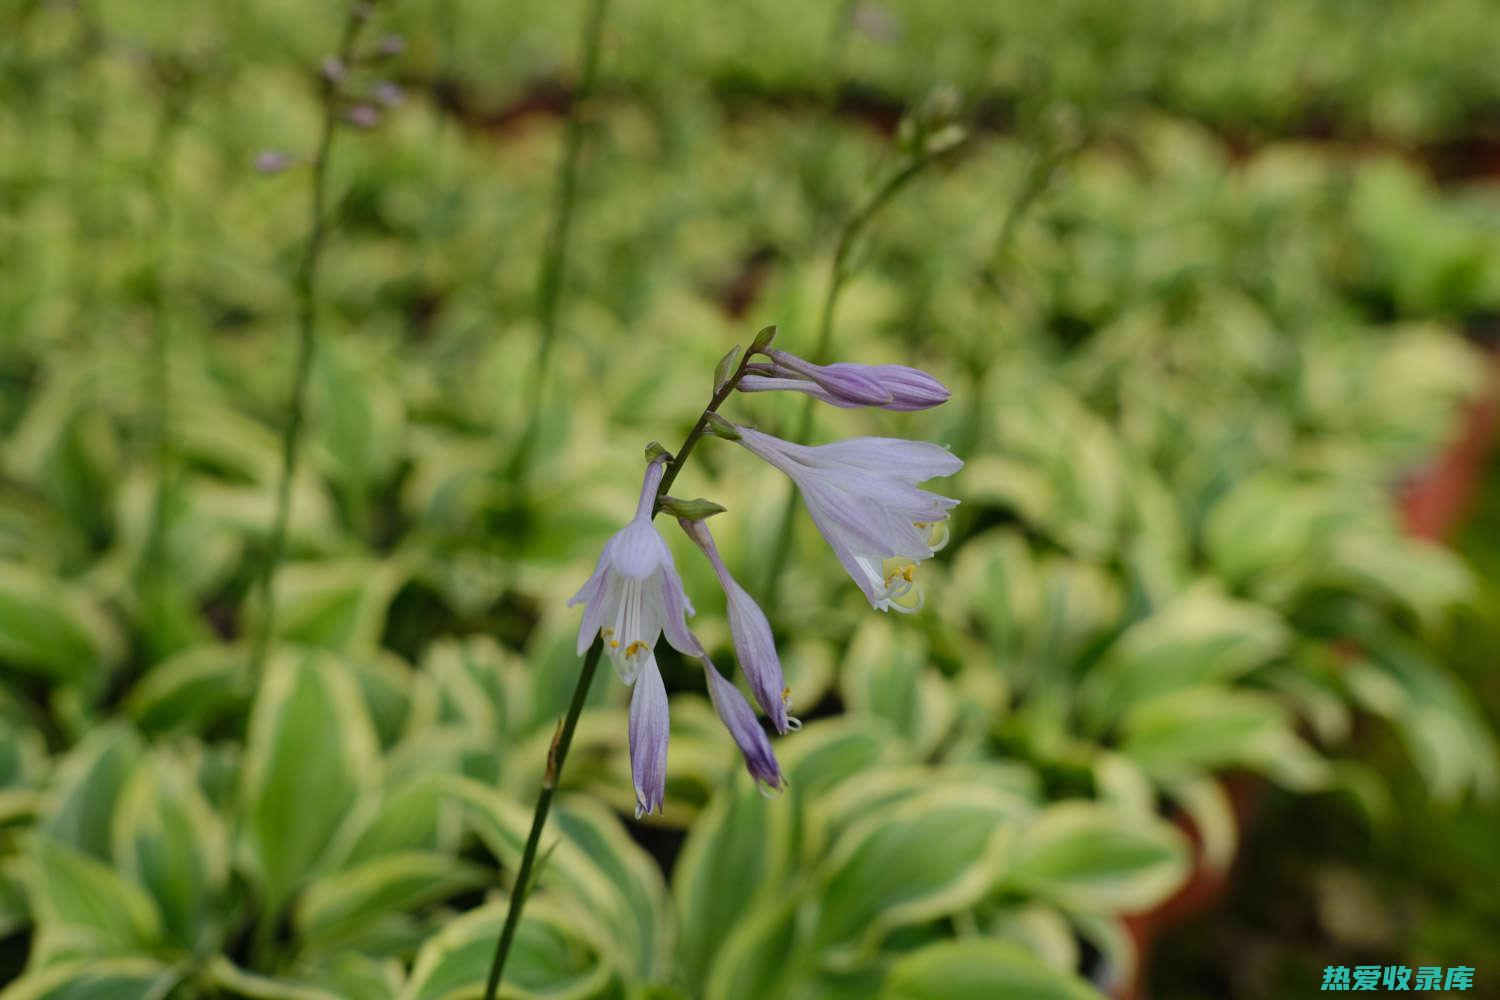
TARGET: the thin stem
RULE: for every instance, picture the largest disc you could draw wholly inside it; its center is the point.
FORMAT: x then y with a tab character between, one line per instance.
555	260
563	738
307	314
839	273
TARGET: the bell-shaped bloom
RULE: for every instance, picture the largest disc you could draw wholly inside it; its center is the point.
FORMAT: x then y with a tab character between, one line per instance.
845	384
648	738
635	593
754	646
739	718
863	496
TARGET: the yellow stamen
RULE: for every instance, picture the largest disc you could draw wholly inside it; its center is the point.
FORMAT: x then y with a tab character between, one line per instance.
614	644
635	647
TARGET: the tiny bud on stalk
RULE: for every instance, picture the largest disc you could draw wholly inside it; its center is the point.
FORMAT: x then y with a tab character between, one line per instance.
654	450
763	340
725	368
272	161
690	510
720	427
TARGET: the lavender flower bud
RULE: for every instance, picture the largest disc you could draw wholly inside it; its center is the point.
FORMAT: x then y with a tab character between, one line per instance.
391	45
272	161
737	716
362	116
388	94
333	69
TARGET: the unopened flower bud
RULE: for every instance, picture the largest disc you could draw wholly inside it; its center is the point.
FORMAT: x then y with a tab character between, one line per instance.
362	116
391	45
333	69
388	94
725	368
272	161
763	340
690	510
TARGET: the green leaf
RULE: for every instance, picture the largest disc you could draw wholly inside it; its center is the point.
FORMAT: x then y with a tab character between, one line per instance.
634	875
1086	856
1201	637
980	970
311	752
919	858
84	908
47	628
886	675
190	691
336	605
335	906
168	839
737	852
549	957
86	786
236	982
1205	729
93	979
587	856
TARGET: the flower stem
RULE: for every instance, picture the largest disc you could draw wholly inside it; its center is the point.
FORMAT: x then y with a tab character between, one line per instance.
307	314
555	260
839	274
563	738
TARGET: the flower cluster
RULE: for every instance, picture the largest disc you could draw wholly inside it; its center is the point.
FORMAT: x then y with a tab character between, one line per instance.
861	493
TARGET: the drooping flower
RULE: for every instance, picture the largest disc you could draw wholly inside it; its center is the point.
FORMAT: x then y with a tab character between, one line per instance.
863	496
635	594
649	730
739	718
754	646
845	384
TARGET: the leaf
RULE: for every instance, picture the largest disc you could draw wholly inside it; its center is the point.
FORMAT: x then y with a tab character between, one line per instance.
573	874
93	979
548	957
50	629
335	906
237	982
633	873
1201	637
736	853
335	604
84	908
1086	856
981	970
919	858
311	751
190	690
886	675
1205	729
86	786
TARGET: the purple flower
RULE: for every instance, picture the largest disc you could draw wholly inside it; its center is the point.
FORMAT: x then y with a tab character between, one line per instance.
863	496
739	718
754	646
649	730
635	593
890	387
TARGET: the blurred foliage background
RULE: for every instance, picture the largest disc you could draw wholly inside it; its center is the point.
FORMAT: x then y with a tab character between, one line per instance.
1215	284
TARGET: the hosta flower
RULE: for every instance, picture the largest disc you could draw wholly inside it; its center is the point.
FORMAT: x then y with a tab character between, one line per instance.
739	718
635	593
890	387
754	646
648	738
863	496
